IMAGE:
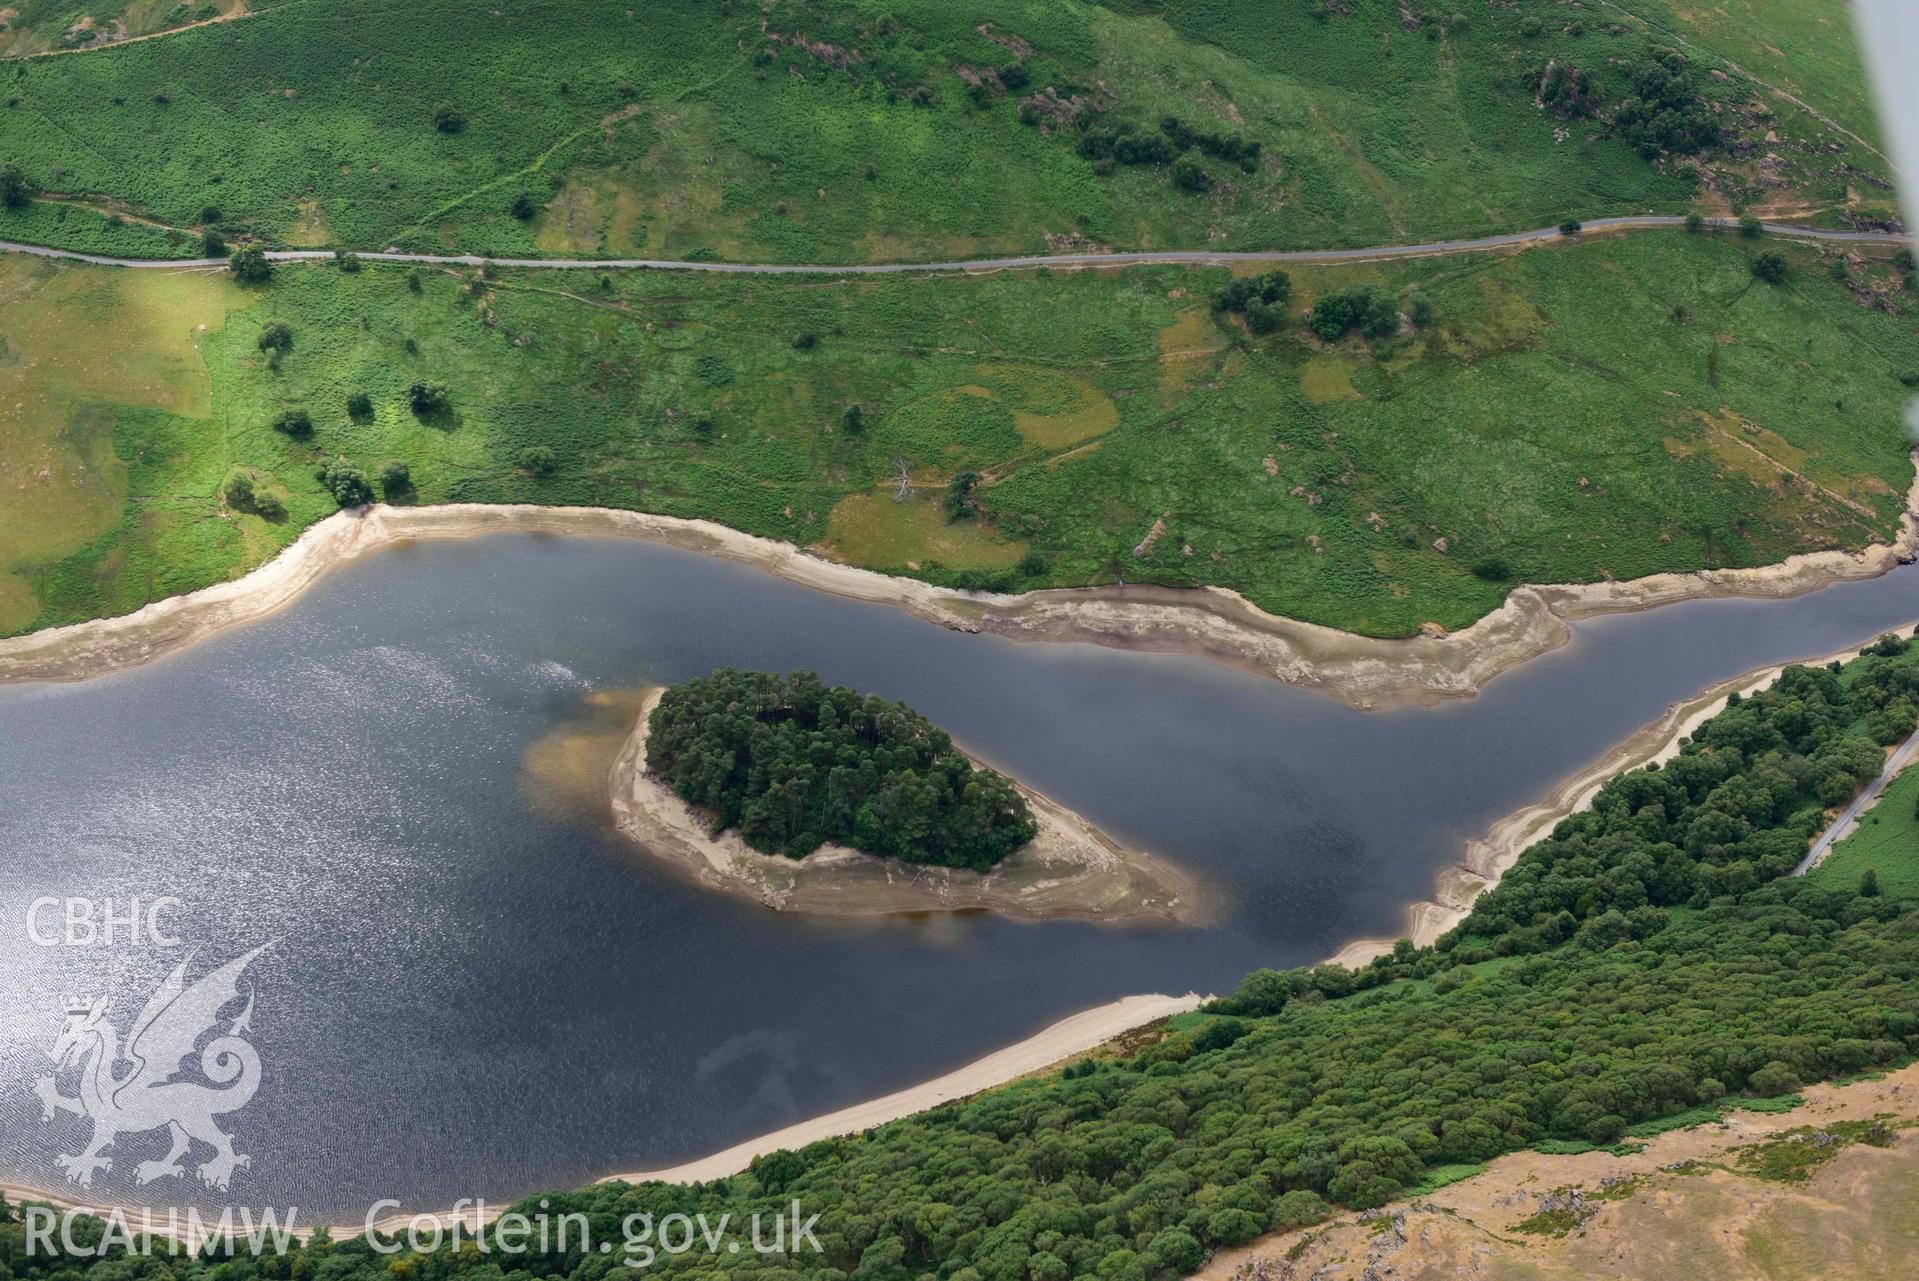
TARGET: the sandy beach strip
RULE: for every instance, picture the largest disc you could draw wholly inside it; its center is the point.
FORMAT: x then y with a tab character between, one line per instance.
1066	1039
1487	859
1211	622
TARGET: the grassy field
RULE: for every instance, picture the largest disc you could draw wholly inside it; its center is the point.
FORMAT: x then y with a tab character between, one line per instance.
85	353
1119	425
1885	842
812	130
65	26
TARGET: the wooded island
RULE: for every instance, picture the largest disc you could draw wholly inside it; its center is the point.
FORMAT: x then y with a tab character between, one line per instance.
794	763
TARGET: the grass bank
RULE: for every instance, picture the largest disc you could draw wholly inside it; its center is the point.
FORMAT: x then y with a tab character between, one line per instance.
1119	427
1885	842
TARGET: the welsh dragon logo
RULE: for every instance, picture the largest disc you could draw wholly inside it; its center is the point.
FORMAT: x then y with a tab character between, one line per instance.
144	1094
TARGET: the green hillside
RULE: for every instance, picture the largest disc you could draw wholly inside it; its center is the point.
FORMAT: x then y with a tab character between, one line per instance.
1112	424
839	132
1604	407
1886	843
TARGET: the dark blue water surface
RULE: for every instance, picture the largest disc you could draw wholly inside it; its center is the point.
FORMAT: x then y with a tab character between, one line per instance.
470	996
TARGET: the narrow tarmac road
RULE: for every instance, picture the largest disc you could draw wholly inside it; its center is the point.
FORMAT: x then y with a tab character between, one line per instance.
1860	803
1635	222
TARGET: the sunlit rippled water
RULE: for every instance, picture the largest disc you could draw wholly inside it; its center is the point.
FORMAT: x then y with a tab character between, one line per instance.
468	996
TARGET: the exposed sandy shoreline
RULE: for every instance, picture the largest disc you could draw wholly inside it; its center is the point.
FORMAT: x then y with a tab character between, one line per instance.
1487	858
1213	622
1071	870
1064	1040
1485	861
1216	623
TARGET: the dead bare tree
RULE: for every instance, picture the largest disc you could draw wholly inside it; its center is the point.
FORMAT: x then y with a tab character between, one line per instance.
905	490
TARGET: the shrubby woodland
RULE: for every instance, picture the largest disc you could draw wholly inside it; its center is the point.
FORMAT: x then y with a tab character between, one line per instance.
793	763
817	130
1646	961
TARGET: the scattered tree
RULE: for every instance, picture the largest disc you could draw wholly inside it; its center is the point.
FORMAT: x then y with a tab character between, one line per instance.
1231	148
524	206
1261	299
853	420
212	244
805	340
1869	883
1259	995
1419	310
1190	175
447	118
1494	569
1367	308
1750	227
295	422
1667	111
249	265
1771	267
1695	224
347	483
959	502
238	492
396	480
346	260
1270	287
1887	645
1124	143
538	459
1264	318
276	336
427	398
1569	226
359	405
15	192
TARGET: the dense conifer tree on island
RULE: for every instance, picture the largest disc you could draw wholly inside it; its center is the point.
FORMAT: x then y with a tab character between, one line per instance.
793	762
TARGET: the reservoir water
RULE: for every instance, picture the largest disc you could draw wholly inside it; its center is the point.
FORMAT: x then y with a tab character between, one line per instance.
471	991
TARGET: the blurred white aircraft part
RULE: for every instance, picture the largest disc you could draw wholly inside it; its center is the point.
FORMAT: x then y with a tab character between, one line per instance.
1889	32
